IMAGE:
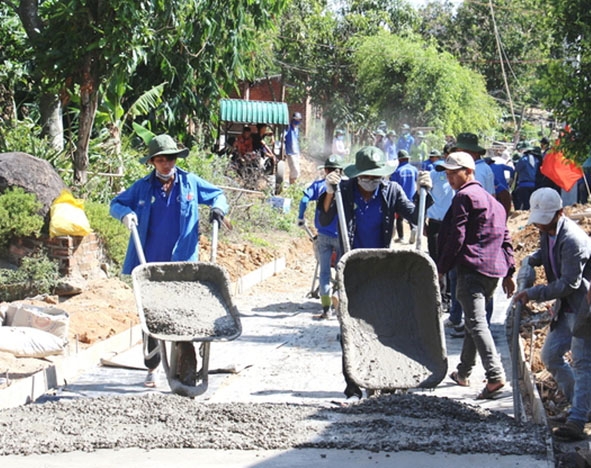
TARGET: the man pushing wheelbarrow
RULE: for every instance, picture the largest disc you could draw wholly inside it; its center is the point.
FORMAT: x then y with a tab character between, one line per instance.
390	329
161	210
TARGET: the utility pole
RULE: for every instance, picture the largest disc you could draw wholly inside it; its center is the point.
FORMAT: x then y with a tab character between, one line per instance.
500	52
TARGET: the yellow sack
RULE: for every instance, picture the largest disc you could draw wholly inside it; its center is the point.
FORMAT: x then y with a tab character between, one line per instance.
68	217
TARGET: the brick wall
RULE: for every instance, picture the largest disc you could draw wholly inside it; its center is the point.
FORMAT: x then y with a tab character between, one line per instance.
76	256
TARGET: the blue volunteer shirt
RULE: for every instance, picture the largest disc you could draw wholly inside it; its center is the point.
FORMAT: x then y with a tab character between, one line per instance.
164	224
368	221
312	193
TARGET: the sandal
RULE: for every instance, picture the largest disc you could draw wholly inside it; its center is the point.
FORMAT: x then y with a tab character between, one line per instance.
488	394
457	379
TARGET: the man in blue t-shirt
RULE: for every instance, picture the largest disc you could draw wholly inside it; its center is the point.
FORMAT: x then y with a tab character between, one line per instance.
327	238
406	175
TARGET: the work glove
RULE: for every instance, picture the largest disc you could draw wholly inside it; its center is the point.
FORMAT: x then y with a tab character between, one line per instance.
332	180
301	223
425	180
129	220
216	215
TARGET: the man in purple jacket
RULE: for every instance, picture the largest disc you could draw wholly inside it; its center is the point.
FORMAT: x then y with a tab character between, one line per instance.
474	239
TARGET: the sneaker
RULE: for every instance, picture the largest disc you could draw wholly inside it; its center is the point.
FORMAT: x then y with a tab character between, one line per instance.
447	323
570	431
457	334
150	380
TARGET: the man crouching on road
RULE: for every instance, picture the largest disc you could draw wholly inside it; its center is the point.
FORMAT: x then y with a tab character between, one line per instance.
474	239
564	252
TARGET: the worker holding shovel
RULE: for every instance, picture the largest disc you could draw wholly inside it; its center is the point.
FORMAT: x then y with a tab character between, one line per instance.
370	202
326	240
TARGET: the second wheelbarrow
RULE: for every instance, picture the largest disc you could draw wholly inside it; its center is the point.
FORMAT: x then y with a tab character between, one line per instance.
389	312
179	304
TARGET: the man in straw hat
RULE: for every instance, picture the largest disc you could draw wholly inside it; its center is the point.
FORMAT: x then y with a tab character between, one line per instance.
474	240
370	202
327	237
164	207
564	252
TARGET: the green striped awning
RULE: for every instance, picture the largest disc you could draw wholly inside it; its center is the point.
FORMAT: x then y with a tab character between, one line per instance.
253	112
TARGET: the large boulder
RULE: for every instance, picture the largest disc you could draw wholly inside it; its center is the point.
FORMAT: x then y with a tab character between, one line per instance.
32	174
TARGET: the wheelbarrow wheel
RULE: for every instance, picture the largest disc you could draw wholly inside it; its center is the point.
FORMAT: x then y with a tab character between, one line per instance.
186	362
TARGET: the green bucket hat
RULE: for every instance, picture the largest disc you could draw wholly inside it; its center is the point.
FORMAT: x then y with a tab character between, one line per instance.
334	161
163	145
468	142
369	161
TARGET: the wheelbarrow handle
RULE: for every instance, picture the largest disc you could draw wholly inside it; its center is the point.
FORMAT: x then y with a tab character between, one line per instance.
342	220
215	227
421	220
138	245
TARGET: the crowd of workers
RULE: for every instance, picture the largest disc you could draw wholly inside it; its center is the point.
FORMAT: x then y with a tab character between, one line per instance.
468	241
469	199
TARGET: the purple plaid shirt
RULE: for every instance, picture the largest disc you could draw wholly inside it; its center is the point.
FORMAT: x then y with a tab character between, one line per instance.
474	234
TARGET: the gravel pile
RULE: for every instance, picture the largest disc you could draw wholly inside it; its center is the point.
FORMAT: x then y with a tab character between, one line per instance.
385	423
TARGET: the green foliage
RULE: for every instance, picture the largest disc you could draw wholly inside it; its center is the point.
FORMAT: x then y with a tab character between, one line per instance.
566	86
112	233
22	136
413	82
18	215
36	275
468	33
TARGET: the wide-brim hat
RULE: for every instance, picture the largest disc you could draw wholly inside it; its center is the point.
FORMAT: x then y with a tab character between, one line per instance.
468	142
369	161
162	145
334	161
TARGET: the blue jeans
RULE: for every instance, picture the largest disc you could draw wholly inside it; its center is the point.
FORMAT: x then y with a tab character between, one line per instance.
474	291
325	245
574	381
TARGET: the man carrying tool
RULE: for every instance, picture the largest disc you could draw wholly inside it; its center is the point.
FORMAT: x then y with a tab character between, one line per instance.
370	202
474	239
327	238
565	251
164	205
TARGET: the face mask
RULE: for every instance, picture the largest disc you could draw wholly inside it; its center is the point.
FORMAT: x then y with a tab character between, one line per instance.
168	176
369	185
340	138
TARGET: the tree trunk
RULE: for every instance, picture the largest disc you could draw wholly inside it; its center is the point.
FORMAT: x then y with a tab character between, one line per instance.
329	129
51	120
88	106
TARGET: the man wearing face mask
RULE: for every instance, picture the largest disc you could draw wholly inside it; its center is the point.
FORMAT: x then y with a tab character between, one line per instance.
164	207
370	202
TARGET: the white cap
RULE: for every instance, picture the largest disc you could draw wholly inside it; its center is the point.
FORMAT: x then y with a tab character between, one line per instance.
543	205
457	160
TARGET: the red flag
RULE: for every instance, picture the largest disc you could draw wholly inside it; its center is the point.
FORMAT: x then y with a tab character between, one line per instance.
562	171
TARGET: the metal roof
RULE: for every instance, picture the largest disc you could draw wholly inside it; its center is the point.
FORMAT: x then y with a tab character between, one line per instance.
238	110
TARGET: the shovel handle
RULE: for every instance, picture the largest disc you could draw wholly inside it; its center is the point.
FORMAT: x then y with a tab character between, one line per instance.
138	245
